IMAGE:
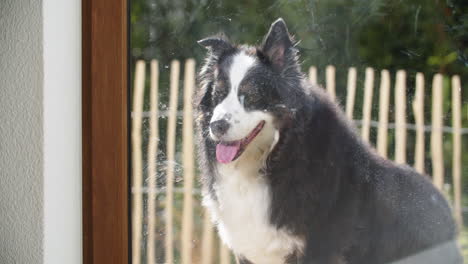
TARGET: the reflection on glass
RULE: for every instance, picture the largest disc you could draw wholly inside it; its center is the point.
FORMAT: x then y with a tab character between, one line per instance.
396	68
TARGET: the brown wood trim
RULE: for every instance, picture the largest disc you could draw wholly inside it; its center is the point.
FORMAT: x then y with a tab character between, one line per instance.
105	130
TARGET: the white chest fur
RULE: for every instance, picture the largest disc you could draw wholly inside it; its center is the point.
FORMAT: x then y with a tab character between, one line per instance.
241	213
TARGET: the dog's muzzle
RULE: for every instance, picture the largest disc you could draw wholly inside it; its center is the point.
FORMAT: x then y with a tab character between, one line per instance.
219	127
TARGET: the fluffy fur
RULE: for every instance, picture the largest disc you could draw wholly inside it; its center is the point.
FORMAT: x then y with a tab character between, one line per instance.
307	189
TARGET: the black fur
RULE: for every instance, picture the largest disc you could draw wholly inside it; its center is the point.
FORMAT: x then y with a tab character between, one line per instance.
327	185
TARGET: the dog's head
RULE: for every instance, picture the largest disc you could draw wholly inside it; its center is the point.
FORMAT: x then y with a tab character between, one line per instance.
245	89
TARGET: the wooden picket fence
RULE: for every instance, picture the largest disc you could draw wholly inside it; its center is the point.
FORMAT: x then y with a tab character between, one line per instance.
172	237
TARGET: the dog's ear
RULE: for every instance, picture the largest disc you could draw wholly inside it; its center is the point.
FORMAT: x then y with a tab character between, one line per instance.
217	45
277	43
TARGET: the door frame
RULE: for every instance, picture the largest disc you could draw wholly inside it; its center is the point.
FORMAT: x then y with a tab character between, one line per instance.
105	130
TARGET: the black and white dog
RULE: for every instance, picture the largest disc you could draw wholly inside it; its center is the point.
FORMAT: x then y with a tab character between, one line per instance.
288	180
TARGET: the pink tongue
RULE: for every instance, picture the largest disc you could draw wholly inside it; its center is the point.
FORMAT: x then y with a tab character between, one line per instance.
227	153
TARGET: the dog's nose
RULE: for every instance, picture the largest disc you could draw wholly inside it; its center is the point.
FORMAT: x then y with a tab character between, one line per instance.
219	127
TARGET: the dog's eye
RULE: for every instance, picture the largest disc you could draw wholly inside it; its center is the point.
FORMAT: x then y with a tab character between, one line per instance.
254	99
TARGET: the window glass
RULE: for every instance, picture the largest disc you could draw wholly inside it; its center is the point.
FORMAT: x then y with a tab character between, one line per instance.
396	69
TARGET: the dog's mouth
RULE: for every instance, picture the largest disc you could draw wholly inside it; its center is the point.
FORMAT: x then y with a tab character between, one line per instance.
227	152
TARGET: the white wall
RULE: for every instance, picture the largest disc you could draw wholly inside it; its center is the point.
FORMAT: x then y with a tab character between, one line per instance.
40	131
21	136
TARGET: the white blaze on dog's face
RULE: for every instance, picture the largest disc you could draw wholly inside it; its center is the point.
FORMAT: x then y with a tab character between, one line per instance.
243	129
231	109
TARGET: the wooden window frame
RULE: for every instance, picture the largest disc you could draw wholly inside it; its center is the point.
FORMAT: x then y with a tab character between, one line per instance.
105	131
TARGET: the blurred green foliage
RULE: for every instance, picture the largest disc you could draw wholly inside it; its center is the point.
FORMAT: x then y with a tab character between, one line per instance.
421	35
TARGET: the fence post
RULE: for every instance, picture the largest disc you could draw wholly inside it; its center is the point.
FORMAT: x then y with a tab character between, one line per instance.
384	99
367	107
152	161
137	166
188	162
223	253
171	137
436	136
313	75
207	239
400	117
351	92
418	109
456	165
330	76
